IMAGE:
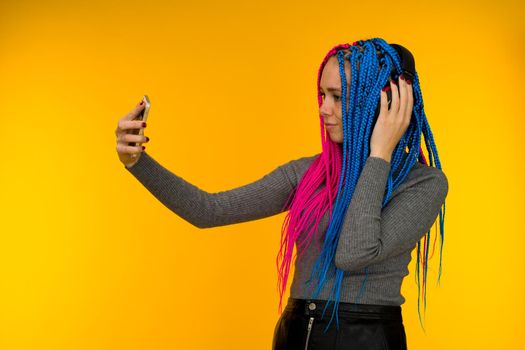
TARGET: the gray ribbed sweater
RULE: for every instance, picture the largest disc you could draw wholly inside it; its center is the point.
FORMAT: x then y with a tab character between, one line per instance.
380	239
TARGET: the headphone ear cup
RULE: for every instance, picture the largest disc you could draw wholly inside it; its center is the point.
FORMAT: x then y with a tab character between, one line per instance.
408	66
408	63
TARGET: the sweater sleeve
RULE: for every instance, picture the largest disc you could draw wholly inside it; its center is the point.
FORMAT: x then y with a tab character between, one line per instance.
371	234
264	197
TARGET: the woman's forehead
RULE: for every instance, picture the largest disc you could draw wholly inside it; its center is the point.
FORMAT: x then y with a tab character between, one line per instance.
331	71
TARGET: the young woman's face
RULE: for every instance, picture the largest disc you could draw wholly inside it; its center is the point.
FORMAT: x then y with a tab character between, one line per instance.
330	109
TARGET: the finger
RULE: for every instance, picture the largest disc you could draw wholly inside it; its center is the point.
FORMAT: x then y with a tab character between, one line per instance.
410	103
394	107
133	138
125	125
384	103
124	148
134	112
402	97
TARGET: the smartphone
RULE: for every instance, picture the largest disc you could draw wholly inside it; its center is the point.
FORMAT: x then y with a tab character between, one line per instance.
142	116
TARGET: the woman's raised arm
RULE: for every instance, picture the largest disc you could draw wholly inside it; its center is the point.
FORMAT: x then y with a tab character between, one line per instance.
264	197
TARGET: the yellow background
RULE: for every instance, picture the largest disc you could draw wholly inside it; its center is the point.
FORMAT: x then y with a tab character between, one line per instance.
89	259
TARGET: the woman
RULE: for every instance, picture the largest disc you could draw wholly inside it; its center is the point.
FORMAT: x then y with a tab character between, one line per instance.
355	211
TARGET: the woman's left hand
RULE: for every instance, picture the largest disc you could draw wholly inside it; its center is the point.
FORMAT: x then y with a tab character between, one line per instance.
392	123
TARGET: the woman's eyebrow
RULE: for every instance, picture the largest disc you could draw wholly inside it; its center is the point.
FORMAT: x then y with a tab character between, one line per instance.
332	89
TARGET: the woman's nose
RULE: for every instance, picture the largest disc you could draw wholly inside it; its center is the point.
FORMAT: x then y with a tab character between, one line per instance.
325	109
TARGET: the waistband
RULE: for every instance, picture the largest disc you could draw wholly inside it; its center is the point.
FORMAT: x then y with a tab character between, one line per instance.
315	307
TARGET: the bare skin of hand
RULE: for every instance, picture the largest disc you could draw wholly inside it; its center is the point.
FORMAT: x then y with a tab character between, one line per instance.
129	155
392	123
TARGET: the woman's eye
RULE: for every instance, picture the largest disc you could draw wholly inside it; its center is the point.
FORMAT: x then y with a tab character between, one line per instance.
336	98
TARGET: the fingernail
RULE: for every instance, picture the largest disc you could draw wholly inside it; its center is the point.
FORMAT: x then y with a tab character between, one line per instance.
402	77
409	82
143	124
141	103
386	88
147	139
143	148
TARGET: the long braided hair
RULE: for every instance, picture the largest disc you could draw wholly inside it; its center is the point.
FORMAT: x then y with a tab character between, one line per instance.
322	187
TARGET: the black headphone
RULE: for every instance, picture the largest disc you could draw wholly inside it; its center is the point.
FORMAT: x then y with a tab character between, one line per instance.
409	71
407	61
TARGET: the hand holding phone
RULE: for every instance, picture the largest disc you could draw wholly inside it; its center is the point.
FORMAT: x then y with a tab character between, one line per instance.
130	133
143	116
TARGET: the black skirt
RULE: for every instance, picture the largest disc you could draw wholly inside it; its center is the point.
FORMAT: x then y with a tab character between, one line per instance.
361	327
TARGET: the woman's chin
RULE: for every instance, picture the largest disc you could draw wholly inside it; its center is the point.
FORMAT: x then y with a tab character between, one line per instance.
336	138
